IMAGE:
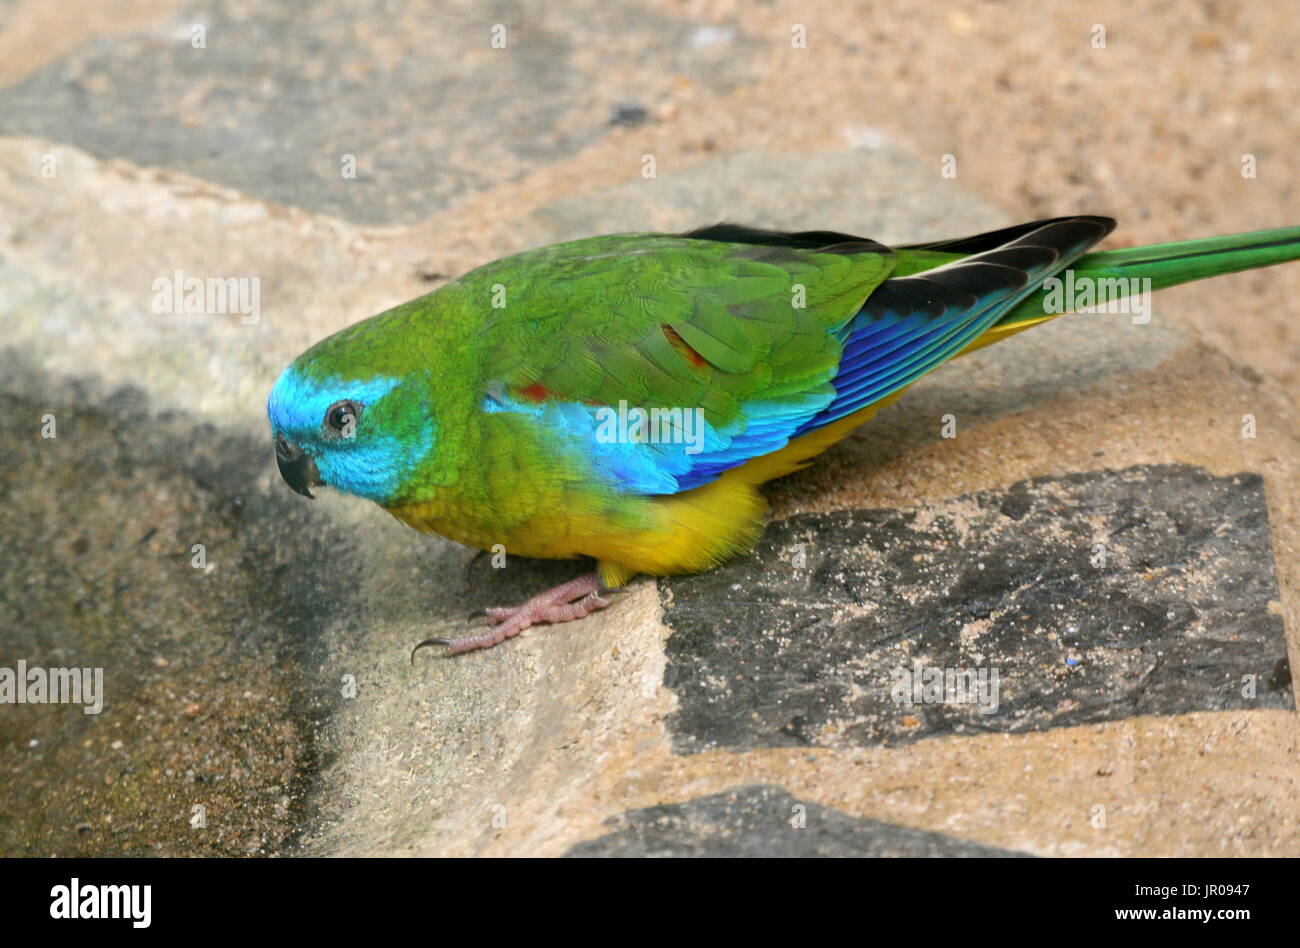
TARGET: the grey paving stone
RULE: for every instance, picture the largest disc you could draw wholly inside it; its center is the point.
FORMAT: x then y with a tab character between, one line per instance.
876	192
7	8
1176	618
761	821
430	109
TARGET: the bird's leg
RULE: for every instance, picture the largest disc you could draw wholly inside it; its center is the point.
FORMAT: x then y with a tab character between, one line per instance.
474	561
572	600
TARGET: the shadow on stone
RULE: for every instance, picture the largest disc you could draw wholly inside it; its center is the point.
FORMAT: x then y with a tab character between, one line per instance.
766	821
138	543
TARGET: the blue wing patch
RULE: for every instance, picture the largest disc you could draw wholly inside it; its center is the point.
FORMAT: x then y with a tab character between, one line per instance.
907	327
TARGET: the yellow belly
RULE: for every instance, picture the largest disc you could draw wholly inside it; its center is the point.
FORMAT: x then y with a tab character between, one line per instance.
679	533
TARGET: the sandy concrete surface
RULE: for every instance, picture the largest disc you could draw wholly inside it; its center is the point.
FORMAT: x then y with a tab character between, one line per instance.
1149	707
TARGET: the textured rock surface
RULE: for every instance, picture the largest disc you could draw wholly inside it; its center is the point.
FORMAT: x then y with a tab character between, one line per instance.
203	697
1087	598
275	98
273	687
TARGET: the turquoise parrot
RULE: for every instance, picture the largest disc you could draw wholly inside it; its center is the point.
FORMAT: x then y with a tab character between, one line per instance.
622	398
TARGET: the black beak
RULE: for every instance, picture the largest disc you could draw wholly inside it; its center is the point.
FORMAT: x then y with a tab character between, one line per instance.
296	467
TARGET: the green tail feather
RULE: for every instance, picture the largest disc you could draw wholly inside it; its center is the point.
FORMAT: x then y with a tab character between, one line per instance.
1173	263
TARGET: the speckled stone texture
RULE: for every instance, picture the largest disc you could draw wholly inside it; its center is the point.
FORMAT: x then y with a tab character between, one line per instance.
1090	597
429	109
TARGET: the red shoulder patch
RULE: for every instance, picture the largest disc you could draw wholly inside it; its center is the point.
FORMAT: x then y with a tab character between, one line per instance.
536	392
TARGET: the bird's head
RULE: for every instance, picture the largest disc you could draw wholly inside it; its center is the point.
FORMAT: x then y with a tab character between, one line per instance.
360	435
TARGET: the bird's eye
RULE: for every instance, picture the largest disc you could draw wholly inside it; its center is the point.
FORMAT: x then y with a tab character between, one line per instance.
341	419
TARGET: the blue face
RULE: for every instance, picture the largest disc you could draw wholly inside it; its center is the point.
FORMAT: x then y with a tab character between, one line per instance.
332	432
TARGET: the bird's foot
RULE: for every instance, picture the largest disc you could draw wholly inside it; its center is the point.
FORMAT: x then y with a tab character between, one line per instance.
566	602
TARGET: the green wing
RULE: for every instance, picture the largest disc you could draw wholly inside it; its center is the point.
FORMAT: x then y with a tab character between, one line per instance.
657	320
